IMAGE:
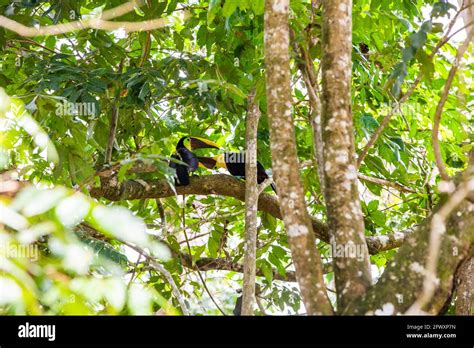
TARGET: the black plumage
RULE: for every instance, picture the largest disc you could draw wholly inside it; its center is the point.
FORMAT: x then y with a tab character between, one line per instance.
234	162
185	154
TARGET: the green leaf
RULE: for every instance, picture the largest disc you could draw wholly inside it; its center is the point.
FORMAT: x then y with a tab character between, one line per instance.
103	249
441	9
266	270
378	217
229	7
214	7
418	39
258	7
373	206
427	66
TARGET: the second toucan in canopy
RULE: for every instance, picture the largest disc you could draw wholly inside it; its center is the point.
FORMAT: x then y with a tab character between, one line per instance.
234	162
184	153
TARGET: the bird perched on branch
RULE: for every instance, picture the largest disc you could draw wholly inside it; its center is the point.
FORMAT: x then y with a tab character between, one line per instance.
184	153
234	162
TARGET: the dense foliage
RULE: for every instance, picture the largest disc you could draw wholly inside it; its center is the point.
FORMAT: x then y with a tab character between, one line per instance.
192	78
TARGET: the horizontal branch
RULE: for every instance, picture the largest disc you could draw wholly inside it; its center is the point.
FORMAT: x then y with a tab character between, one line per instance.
223	185
101	22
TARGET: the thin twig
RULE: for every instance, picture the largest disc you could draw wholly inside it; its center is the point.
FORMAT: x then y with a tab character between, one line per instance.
306	68
439	109
113	122
405	97
146	47
383	182
191	255
158	267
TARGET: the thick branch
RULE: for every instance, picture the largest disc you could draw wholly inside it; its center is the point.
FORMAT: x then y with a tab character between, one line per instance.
101	22
402	281
223	185
438	228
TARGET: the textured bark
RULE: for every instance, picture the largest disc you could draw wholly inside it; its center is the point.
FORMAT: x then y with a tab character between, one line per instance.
224	185
298	225
346	224
437	229
402	281
468	13
465	286
251	206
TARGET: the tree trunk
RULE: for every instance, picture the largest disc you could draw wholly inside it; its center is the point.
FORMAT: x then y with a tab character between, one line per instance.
251	206
465	287
346	224
298	226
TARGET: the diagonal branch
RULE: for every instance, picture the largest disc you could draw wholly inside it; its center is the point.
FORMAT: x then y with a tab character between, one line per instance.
383	182
101	22
161	269
306	68
438	228
402	281
439	109
408	94
446	235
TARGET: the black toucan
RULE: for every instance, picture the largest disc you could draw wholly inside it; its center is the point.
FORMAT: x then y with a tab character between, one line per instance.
234	162
184	153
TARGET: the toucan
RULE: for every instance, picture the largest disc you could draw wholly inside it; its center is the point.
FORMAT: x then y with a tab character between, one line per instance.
184	153
234	162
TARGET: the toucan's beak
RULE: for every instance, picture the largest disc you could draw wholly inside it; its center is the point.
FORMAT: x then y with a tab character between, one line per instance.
207	162
201	143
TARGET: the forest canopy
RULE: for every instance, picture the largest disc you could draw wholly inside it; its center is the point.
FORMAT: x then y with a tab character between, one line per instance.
361	114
